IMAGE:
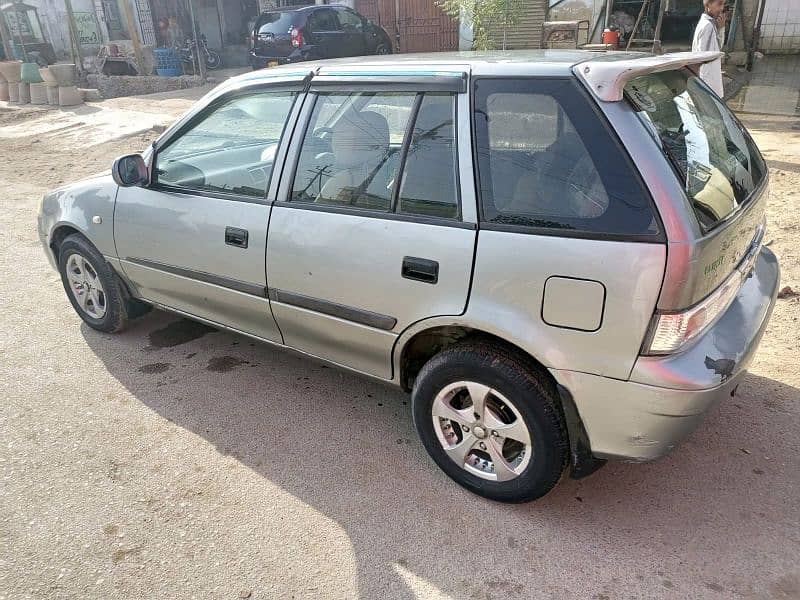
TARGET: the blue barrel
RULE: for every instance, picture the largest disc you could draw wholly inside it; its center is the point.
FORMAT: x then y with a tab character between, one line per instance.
168	62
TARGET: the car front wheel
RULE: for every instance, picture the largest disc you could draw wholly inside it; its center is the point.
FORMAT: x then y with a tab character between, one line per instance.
94	290
491	422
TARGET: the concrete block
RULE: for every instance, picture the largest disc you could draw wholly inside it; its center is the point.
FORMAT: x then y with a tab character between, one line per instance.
24	92
13	93
90	95
29	73
69	96
52	95
4	90
38	93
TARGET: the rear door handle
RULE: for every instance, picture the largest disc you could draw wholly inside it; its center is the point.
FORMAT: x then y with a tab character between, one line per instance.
235	236
420	269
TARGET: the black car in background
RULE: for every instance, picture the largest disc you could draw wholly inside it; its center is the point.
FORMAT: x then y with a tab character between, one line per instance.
314	32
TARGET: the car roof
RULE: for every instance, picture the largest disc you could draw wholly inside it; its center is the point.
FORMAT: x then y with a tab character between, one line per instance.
306	8
513	62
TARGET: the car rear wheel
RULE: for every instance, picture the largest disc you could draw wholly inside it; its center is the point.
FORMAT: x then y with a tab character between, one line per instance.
383	49
93	288
491	422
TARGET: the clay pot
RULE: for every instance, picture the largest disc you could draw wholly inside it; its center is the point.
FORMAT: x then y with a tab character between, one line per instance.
29	73
38	93
13	93
69	96
48	77
11	70
64	73
4	91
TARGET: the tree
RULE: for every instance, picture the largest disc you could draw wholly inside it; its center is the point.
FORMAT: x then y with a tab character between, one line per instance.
486	16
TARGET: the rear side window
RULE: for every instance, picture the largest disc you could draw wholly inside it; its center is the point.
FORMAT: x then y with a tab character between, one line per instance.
389	152
546	160
711	152
323	20
275	22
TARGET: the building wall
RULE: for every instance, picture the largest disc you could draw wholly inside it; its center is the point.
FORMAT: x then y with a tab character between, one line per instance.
780	27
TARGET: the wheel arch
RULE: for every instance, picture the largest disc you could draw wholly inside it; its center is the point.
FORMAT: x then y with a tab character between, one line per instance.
421	342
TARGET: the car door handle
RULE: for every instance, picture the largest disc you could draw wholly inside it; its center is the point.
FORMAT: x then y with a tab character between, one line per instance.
235	236
420	269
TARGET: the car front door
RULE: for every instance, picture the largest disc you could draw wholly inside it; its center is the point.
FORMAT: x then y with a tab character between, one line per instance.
369	234
352	33
194	240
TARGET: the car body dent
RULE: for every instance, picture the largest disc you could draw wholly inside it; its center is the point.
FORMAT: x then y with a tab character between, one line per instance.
77	205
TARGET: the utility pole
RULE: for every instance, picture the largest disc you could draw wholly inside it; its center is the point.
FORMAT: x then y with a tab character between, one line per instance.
74	39
133	29
201	60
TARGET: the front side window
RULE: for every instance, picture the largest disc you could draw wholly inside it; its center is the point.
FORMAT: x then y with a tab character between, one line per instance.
717	160
350	21
545	160
231	150
323	20
388	152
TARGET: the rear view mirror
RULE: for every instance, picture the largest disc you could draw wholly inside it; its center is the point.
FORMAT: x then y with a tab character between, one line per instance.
130	170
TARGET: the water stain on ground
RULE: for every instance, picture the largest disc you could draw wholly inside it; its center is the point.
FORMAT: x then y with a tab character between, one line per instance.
223	364
178	332
154	368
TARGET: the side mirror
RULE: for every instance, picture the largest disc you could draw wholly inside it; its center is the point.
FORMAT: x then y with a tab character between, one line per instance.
130	170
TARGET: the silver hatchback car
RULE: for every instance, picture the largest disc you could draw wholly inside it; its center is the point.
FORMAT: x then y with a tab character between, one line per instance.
559	254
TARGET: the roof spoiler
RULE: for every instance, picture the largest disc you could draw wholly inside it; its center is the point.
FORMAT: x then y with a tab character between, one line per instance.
607	78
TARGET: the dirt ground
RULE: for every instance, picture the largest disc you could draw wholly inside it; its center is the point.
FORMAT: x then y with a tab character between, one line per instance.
174	461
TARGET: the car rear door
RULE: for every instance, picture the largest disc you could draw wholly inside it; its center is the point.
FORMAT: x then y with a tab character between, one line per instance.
372	229
273	36
194	240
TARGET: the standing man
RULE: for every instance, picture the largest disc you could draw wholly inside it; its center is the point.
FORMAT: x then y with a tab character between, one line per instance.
706	38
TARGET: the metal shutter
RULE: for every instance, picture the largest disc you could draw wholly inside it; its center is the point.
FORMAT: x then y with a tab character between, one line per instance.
527	33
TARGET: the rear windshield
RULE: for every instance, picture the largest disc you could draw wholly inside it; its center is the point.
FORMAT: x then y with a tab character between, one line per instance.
275	22
713	154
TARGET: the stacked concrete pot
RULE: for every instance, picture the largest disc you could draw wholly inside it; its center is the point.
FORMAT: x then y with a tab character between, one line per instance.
31	86
3	88
10	70
65	74
51	85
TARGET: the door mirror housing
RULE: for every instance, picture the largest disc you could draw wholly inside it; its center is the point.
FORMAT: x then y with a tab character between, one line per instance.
130	170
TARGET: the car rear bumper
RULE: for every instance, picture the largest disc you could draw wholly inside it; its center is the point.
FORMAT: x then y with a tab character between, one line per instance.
667	397
260	62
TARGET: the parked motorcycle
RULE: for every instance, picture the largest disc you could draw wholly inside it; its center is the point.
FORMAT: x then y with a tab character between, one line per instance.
188	53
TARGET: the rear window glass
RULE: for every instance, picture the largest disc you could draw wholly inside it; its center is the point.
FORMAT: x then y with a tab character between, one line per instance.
275	22
716	158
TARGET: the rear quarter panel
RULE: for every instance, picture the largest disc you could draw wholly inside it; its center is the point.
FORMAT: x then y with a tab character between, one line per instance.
511	270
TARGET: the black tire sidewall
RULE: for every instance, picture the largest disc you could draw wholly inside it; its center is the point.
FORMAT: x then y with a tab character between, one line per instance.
534	403
115	317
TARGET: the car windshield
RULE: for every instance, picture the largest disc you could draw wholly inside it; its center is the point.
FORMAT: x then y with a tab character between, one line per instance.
275	22
716	158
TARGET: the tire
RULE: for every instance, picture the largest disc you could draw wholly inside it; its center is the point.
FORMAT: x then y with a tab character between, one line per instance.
213	60
79	260
512	384
383	49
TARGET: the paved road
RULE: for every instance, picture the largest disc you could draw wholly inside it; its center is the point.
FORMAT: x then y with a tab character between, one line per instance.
174	461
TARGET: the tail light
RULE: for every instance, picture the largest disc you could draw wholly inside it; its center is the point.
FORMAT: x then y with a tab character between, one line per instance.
672	331
297	37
